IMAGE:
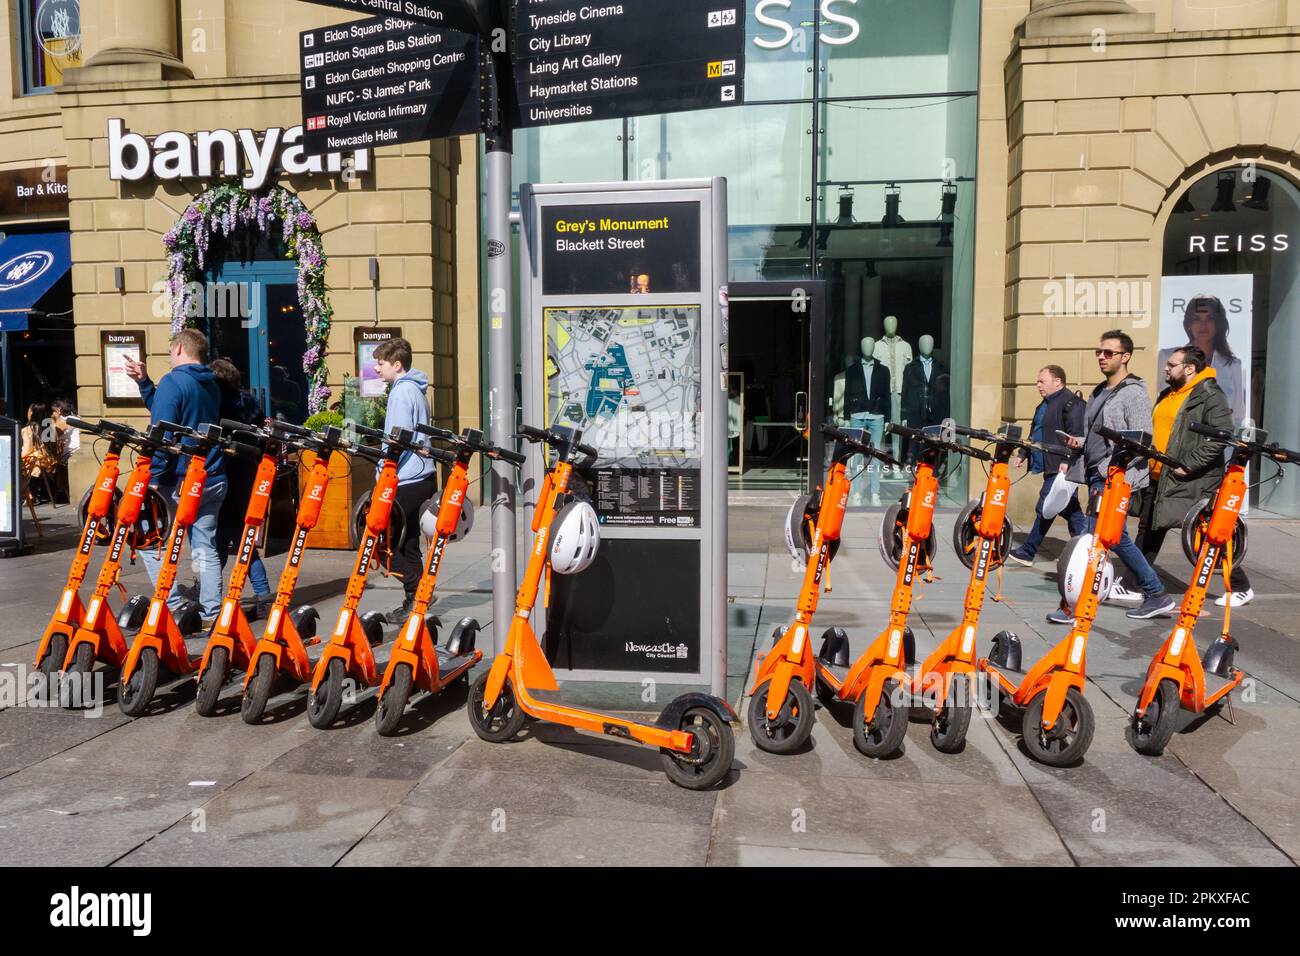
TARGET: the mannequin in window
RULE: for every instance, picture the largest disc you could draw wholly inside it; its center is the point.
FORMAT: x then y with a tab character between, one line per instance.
860	399
925	389
894	353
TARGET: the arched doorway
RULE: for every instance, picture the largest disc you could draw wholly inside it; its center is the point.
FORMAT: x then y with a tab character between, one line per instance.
1231	283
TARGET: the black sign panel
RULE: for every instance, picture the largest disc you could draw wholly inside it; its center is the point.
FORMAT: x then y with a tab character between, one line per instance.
453	14
386	80
652	626
595	59
621	248
652	498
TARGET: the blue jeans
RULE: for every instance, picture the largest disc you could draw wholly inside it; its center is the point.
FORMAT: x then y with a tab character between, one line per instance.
1128	552
1072	513
203	550
876	426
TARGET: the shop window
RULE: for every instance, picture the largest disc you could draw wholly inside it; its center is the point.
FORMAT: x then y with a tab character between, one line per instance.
1231	286
49	37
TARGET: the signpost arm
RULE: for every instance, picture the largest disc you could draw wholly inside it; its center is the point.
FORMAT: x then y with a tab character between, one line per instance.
500	338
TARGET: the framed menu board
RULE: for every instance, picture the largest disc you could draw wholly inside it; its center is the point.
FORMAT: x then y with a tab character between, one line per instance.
115	347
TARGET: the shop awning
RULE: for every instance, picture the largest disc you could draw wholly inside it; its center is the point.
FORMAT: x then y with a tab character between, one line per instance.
30	264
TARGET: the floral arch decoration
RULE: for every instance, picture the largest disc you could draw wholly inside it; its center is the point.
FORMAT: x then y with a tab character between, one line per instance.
219	212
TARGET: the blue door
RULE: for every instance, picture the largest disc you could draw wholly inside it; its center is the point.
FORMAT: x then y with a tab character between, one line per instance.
254	320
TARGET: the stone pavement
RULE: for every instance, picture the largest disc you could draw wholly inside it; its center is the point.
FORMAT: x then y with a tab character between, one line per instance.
174	788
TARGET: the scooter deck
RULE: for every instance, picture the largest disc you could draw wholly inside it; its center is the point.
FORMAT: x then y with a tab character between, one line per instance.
1214	683
448	662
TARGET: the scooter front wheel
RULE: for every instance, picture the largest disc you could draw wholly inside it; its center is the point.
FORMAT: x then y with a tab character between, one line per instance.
500	723
211	681
83	663
883	734
791	727
50	665
1151	733
393	704
324	703
135	694
1070	736
948	732
713	747
258	691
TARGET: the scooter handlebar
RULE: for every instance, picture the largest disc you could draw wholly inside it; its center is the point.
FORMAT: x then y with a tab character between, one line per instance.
533	434
1209	431
1142	447
85	426
844	438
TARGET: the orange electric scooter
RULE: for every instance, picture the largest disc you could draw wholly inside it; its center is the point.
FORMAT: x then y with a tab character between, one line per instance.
981	537
348	654
1177	677
98	637
53	649
877	682
780	713
160	642
693	733
418	660
231	643
1057	721
282	649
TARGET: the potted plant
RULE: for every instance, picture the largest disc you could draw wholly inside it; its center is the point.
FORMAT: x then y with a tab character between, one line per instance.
346	487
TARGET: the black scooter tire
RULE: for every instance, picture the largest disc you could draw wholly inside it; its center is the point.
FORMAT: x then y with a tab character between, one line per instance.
703	772
504	721
258	691
133	696
83	662
211	681
793	725
325	702
1150	734
393	703
50	665
1077	734
887	731
948	731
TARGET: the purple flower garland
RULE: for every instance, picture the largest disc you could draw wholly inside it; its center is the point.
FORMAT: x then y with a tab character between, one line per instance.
223	210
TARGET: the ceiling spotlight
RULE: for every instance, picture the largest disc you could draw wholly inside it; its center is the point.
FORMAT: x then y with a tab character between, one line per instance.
947	217
871	272
1184	203
1259	195
892	199
1227	186
846	207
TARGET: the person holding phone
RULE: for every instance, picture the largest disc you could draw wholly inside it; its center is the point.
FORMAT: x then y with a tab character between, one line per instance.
1119	402
1059	413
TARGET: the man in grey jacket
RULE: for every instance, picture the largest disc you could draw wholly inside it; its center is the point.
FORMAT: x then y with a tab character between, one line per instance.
1119	402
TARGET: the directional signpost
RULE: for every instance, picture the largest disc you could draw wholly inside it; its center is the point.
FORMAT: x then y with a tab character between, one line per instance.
425	69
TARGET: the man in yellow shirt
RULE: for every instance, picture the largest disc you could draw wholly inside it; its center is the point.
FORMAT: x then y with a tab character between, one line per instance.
1193	395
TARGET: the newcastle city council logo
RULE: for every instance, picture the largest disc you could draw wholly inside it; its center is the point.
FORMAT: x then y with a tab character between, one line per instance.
58	27
23	269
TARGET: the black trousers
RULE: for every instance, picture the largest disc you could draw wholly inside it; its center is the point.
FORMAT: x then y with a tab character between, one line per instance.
406	560
1150	541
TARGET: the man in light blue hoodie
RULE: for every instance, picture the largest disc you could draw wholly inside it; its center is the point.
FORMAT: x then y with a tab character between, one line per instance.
417	477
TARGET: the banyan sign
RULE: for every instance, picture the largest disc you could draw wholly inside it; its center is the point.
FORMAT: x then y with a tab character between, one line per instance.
586	59
387	80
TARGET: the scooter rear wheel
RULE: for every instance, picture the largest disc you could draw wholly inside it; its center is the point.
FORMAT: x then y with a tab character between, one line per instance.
1151	733
83	663
324	703
713	747
134	695
258	691
211	681
793	724
884	734
1069	738
503	721
948	732
393	704
50	665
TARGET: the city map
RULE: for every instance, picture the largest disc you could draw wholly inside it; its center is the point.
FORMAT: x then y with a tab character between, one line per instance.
630	379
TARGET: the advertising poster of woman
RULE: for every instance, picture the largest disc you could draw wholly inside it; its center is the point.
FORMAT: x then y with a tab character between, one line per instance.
1214	313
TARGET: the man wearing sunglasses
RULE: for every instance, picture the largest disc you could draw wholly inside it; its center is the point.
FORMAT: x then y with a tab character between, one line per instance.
1119	402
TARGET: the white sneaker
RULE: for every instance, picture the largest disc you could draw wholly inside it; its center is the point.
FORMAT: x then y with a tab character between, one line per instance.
875	501
1238	598
1122	595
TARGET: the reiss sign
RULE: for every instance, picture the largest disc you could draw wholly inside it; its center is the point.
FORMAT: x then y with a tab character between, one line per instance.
777	16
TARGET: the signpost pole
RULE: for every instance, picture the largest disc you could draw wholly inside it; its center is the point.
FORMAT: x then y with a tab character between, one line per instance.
500	338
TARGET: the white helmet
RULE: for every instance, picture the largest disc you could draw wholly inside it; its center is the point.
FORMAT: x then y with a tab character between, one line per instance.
429	520
575	538
1072	569
798	539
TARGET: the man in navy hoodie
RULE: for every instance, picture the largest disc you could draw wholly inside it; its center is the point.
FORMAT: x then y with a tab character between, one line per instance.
417	477
188	395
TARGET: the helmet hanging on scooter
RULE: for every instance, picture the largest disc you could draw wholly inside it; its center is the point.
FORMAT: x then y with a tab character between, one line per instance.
429	520
799	522
1072	569
575	538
